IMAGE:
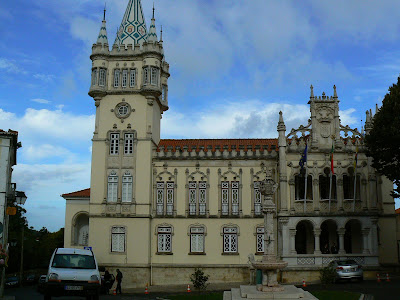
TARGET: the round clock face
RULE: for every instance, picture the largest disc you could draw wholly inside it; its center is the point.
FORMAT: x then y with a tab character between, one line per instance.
122	110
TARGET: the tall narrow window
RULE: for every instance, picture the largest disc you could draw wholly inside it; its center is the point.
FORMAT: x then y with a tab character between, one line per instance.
114	143
192	198
102	77
128	147
235	197
127	186
225	198
257	199
146	75
94	76
230	236
326	189
160	198
202	197
154	76
164	93
116	77
118	239
197	239
164	236
112	189
124	78
348	187
170	198
132	81
260	240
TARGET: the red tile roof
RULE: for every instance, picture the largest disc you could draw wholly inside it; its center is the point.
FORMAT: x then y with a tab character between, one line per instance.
398	211
78	194
211	144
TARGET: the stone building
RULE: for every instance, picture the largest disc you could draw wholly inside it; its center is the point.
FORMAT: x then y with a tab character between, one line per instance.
157	208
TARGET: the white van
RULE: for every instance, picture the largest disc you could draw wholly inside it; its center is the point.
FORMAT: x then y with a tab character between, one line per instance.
73	272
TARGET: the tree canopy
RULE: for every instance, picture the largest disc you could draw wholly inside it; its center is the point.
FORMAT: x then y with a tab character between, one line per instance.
383	140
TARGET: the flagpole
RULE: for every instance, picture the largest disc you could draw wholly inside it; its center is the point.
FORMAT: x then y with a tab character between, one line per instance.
305	190
330	190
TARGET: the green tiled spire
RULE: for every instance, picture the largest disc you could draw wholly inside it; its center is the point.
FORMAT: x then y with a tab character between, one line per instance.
133	26
102	38
152	36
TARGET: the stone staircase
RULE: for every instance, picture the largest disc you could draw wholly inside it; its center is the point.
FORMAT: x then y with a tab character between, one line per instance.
250	292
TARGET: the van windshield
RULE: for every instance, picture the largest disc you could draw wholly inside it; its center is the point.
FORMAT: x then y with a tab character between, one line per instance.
73	261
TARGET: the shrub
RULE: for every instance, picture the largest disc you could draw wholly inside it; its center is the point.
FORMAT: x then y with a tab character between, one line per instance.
327	275
199	280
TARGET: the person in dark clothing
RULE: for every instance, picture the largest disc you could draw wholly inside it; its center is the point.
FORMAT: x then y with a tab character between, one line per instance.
119	280
107	281
325	250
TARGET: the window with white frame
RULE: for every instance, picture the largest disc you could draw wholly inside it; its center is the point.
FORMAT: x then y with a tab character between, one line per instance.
197	239
146	76
128	146
164	93
124	78
116	77
160	198
154	76
230	239
102	77
170	198
235	197
260	240
118	239
197	197
132	81
112	188
114	143
164	237
127	187
94	76
225	198
257	199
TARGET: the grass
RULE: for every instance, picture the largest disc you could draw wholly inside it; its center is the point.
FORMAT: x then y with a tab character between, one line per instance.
195	296
334	295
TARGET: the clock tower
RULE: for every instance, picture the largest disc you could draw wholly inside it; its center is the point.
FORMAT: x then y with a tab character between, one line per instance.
129	86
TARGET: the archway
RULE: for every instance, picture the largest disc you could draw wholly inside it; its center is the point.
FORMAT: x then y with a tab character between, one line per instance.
81	230
329	239
353	237
304	240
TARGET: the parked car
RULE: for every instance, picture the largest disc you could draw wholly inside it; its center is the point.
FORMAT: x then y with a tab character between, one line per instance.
347	269
12	281
41	284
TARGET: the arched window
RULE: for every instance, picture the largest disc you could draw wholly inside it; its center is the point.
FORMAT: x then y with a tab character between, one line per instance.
300	186
351	184
327	185
81	230
352	237
304	240
329	239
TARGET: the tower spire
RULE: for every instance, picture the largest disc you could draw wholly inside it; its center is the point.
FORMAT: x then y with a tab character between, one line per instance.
152	35
102	38
133	26
105	4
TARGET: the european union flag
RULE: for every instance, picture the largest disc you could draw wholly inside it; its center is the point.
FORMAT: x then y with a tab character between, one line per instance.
303	158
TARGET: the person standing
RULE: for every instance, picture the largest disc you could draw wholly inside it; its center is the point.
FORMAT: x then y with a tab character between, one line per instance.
119	280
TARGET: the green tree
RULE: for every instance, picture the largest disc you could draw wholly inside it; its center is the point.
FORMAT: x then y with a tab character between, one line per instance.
383	140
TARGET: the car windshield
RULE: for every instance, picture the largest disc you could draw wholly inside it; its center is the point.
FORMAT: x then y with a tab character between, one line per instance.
73	261
346	262
12	279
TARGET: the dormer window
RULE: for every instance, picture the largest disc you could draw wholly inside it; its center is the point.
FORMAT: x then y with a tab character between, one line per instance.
102	77
124	78
116	77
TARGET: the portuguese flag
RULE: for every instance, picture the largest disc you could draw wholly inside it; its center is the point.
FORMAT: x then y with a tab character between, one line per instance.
333	149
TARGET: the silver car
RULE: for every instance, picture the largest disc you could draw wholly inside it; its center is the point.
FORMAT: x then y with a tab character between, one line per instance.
347	269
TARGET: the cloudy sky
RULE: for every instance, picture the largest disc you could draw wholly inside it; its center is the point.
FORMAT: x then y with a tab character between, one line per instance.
234	65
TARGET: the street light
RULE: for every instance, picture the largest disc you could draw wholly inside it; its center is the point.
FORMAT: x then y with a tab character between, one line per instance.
20	197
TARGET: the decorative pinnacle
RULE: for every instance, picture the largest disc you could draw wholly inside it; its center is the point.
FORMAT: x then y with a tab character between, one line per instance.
334	92
312	92
281	123
323	95
105	4
153	10
161	35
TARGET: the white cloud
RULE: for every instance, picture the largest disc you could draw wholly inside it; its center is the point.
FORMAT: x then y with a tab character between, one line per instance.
11	67
38	152
42	101
44	77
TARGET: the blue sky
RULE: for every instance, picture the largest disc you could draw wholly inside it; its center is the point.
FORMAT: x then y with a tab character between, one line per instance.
234	65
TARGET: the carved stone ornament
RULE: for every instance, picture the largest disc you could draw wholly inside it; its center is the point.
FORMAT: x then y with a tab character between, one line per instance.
123	110
325	112
325	131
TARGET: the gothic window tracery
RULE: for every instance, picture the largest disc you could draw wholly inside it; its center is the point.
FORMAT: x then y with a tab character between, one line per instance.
164	239
230	240
260	240
229	198
257	199
165	198
197	198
